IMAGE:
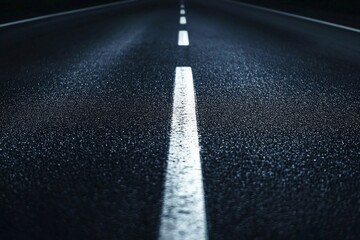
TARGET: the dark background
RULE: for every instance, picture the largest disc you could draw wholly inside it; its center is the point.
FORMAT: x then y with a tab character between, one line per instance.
344	12
11	10
344	6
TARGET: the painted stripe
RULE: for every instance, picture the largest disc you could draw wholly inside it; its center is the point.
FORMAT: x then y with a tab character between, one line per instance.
296	16
182	6
65	13
182	11
183	39
182	20
183	213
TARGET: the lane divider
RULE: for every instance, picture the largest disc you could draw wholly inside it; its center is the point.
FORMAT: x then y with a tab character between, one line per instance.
183	213
183	39
182	11
182	20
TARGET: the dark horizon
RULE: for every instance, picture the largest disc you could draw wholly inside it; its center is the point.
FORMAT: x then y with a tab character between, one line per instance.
337	11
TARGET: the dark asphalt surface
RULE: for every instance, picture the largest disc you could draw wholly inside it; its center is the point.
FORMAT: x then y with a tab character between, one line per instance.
85	111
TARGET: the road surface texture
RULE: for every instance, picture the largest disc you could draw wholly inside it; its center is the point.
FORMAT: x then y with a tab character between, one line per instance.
86	110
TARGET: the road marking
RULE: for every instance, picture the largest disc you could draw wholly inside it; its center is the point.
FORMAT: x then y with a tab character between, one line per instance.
182	20
296	16
182	11
183	213
183	39
65	13
182	6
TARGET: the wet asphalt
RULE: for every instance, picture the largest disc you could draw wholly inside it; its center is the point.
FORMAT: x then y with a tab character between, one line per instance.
85	114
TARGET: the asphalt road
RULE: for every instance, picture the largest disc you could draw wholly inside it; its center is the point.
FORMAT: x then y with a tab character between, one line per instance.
85	119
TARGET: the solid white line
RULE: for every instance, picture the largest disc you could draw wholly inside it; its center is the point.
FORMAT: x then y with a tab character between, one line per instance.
183	213
183	39
64	13
182	11
182	20
296	16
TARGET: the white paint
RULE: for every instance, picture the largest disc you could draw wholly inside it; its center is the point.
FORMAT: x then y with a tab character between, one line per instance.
182	11
183	39
65	13
182	6
297	16
183	213
182	20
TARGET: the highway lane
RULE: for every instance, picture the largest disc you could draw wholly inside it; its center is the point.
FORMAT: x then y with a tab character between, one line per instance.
280	131
85	116
86	107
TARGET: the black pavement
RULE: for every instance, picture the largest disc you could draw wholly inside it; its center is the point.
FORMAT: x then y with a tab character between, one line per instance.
85	117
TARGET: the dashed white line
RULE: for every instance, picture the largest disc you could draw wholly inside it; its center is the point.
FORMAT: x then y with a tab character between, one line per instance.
182	11
182	20
183	39
182	6
183	213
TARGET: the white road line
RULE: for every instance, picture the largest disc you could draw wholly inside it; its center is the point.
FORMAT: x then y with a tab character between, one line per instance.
183	39
182	11
65	13
296	16
182	6
182	20
183	213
